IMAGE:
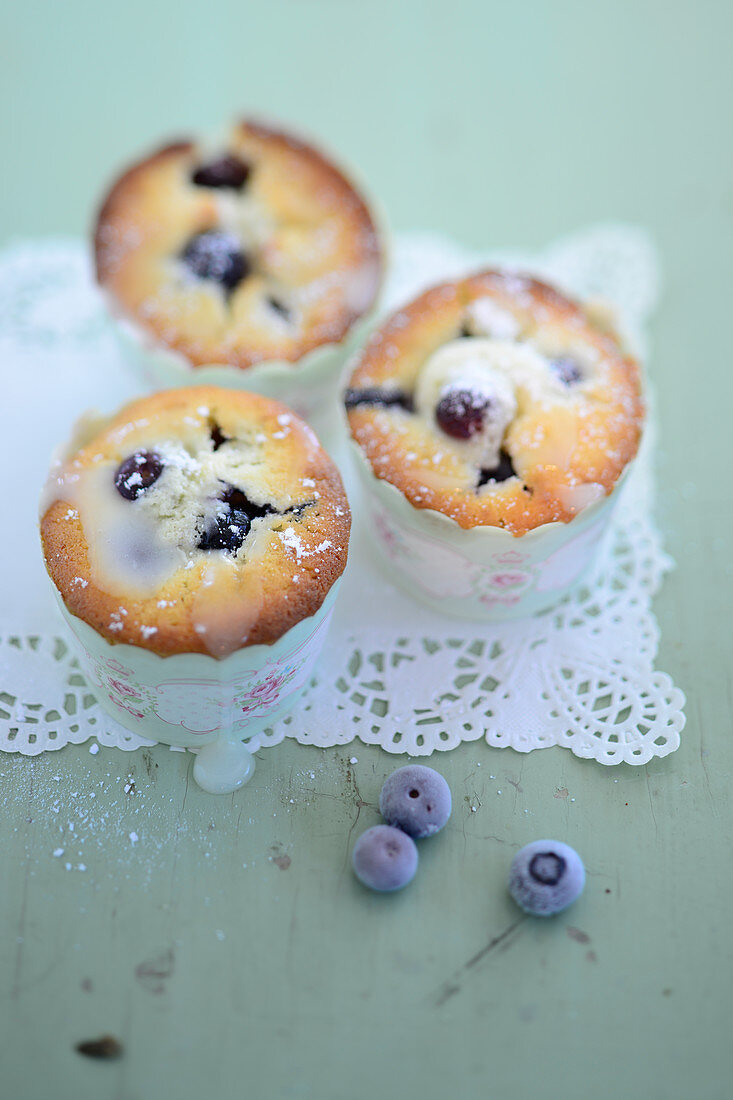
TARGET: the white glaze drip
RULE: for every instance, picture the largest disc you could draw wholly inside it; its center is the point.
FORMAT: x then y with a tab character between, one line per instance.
221	625
577	497
223	766
127	547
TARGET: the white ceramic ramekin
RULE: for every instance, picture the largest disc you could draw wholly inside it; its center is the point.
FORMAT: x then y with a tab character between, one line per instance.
480	573
200	702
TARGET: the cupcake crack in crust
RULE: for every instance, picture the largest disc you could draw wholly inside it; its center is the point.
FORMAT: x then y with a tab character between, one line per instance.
497	401
199	520
256	251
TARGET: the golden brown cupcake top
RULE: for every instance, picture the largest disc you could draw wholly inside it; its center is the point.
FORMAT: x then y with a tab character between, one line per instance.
256	249
498	402
198	520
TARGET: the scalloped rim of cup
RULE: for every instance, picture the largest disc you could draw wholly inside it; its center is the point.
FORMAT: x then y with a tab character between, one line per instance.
154	670
492	575
315	366
256	653
397	501
270	377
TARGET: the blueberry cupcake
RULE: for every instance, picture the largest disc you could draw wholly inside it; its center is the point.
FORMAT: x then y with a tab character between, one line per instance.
247	263
195	541
493	421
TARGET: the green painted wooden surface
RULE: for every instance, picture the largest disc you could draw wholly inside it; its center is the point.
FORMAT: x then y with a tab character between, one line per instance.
224	971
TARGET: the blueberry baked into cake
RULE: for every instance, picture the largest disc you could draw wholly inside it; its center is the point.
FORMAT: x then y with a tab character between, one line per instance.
259	249
197	520
496	401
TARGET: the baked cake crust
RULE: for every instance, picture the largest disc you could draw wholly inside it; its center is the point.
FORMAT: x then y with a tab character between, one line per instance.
165	567
311	261
570	428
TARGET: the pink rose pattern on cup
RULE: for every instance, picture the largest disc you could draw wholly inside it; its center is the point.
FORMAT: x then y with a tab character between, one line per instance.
114	678
506	578
205	706
267	692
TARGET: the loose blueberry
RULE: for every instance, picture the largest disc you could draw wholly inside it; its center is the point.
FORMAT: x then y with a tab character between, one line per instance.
461	413
137	473
416	799
374	396
502	472
226	172
546	877
567	370
216	256
230	524
384	858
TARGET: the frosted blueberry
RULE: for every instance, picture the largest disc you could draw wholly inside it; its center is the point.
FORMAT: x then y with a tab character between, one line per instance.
416	799
216	256
461	412
546	877
137	473
230	524
226	172
384	858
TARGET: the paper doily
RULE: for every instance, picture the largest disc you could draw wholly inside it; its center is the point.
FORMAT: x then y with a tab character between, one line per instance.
581	676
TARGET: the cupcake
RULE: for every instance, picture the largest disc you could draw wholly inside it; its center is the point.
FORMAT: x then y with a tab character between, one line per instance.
195	541
247	263
494	421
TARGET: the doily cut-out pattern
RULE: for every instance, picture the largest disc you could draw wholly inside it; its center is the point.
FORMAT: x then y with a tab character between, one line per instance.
581	676
392	673
45	702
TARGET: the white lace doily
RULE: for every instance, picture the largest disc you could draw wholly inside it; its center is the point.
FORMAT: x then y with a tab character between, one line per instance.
581	676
